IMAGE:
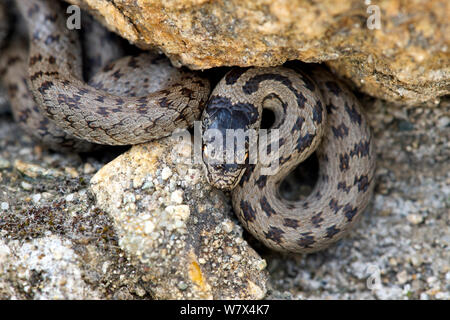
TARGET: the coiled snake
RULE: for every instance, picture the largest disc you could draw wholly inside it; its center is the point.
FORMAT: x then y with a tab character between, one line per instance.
105	110
312	114
120	105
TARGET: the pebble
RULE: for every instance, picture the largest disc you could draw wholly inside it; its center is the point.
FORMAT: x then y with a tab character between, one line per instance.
393	262
443	122
166	173
36	197
33	170
227	226
431	280
416	260
402	277
4	164
181	211
147	185
72	172
4	206
26	186
424	296
149	227
182	286
415	218
88	168
177	196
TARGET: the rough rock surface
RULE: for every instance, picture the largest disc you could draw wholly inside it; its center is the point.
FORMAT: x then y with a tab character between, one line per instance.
56	243
51	266
401	249
179	228
405	60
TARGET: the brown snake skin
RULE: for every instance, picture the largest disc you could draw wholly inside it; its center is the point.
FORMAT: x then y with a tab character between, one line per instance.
99	112
136	99
312	114
13	71
14	76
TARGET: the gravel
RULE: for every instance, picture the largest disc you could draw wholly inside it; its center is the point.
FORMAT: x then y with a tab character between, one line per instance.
56	243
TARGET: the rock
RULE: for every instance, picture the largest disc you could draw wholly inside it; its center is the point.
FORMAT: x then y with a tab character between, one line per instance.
406	59
54	242
402	277
33	170
415	218
47	267
61	251
179	230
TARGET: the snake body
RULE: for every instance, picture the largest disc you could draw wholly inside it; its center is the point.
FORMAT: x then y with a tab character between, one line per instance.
13	70
316	113
141	98
99	112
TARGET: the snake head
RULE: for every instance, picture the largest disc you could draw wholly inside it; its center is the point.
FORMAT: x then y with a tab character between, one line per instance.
227	135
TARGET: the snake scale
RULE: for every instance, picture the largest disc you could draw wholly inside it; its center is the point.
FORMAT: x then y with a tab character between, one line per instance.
316	113
136	99
100	111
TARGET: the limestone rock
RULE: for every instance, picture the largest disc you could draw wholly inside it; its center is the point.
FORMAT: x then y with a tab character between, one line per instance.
176	227
405	60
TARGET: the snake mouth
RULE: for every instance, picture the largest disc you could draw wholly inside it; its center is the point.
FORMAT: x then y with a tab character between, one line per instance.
224	176
219	183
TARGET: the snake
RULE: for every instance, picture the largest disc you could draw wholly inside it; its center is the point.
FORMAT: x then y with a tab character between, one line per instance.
104	110
313	112
135	99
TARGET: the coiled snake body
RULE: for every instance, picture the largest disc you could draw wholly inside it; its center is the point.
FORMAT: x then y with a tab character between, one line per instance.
104	110
120	105
312	114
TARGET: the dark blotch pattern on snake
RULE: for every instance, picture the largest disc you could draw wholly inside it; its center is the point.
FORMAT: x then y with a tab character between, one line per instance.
316	113
14	76
105	110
